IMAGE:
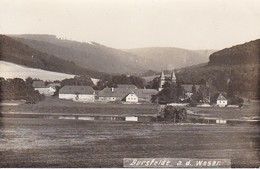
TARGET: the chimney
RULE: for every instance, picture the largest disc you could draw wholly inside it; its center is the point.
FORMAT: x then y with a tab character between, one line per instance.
112	89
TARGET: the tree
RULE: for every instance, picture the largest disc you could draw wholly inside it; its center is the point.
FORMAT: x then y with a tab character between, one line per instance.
168	94
113	81
180	91
29	80
230	91
78	81
16	89
173	114
154	84
193	89
202	82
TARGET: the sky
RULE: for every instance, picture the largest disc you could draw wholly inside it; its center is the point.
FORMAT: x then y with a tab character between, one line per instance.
189	24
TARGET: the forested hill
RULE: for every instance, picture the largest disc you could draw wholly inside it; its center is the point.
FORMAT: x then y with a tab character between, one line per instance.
106	59
248	53
19	53
170	57
92	55
236	68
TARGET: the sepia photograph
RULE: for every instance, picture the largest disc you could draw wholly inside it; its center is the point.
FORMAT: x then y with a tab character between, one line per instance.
129	84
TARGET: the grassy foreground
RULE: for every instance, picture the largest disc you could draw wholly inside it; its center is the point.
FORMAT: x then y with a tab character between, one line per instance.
69	143
57	106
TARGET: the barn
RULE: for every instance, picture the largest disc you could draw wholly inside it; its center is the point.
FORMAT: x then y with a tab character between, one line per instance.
77	93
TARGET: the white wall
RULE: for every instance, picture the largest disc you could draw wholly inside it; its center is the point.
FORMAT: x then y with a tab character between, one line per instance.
79	97
221	103
132	98
46	91
108	99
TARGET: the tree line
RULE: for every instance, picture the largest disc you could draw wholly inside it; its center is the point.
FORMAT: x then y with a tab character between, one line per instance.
18	89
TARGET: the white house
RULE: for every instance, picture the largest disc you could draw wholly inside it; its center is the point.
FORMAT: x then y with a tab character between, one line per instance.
47	91
221	101
77	93
131	98
40	86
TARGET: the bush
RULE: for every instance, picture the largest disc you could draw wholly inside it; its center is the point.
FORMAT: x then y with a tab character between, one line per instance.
193	103
236	100
173	114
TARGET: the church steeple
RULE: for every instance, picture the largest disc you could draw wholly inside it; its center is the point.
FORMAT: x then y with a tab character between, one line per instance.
162	81
173	77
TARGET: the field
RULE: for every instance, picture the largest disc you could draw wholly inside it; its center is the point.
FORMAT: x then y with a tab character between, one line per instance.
11	70
67	143
57	106
249	110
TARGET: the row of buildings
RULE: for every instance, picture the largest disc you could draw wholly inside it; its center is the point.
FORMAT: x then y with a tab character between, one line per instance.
126	93
123	92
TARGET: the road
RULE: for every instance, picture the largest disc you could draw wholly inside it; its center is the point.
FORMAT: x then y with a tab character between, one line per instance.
71	143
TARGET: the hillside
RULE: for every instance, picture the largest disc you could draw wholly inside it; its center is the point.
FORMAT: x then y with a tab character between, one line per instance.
236	68
101	58
88	55
170	57
11	70
19	53
247	53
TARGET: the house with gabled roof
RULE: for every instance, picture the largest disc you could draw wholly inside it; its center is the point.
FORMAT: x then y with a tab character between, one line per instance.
115	94
131	98
40	86
77	93
221	100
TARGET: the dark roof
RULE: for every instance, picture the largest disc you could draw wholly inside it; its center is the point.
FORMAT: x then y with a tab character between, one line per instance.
127	86
221	97
38	84
122	92
77	90
53	85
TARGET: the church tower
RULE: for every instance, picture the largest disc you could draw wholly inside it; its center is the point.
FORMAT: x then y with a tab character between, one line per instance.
162	81
173	77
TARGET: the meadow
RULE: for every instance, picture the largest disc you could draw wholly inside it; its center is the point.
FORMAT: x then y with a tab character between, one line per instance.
69	143
57	106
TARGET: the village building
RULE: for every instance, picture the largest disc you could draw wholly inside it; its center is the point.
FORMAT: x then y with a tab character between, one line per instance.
162	81
131	98
43	89
204	89
77	93
188	90
173	77
119	94
221	101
